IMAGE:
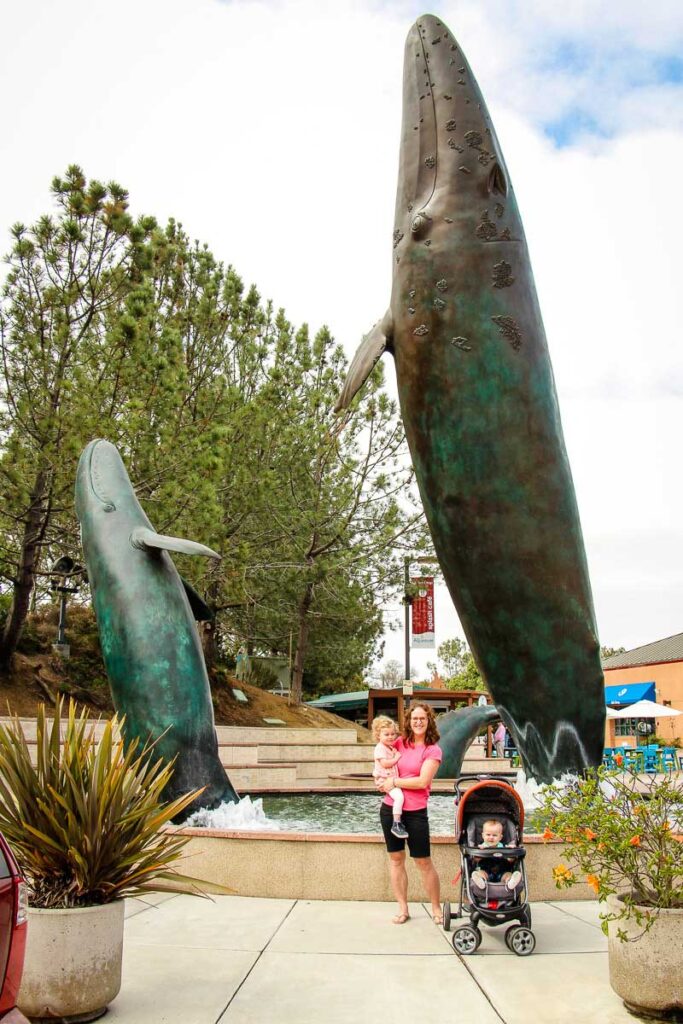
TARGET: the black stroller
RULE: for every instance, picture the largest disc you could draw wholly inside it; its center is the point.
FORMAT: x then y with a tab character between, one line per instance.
494	904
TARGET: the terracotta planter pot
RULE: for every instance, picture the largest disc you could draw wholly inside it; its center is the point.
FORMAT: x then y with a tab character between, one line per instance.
646	972
72	969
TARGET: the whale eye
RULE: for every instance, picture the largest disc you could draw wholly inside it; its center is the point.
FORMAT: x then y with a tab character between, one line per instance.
419	225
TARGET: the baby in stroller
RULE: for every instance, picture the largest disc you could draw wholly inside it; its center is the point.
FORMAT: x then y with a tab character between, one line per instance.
493	884
496	868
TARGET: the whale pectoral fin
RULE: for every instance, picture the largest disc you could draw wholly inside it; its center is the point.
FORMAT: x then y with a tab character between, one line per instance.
497	181
200	609
363	363
147	539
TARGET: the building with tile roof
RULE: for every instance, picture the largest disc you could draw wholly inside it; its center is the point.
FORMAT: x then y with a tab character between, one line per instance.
653	671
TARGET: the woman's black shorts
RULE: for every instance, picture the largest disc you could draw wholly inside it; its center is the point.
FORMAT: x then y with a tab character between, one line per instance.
417	826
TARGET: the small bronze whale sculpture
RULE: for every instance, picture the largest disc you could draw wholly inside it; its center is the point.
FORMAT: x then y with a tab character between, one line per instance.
146	618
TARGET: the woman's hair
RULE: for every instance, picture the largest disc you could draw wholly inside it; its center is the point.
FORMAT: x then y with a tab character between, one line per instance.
432	734
382	722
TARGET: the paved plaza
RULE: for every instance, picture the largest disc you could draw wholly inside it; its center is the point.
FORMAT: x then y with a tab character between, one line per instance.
241	960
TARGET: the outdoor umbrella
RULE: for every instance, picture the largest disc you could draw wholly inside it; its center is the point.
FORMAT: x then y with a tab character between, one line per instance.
643	709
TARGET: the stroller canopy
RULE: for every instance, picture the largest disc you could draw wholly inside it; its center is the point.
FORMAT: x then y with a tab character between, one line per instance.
489	798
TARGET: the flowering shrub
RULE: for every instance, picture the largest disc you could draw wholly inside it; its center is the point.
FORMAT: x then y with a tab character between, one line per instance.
623	837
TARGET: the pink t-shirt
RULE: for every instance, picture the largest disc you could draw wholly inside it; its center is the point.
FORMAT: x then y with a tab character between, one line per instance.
409	766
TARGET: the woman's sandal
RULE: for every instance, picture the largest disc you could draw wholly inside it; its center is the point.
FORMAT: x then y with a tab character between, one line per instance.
438	919
400	919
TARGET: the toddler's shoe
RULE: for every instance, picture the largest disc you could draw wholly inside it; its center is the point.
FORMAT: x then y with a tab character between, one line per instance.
514	880
398	829
479	879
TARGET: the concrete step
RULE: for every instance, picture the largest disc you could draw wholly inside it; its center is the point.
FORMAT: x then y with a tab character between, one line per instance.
315	752
263	779
29	729
279	734
323	769
245	754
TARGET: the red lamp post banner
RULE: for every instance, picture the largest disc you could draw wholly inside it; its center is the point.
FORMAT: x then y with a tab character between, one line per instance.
422	629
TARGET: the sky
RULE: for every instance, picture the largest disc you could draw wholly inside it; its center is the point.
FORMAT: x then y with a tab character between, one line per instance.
271	131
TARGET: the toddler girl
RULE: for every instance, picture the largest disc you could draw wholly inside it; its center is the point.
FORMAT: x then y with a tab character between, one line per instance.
385	734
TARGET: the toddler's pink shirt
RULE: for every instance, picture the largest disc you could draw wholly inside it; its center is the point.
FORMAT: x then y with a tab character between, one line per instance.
409	766
382	753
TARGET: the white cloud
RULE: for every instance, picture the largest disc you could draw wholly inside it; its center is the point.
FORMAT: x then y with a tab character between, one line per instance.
271	131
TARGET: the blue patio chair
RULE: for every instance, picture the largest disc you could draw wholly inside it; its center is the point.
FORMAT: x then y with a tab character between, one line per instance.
634	760
608	758
667	759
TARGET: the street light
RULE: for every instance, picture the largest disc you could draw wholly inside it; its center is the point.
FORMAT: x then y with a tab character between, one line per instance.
66	570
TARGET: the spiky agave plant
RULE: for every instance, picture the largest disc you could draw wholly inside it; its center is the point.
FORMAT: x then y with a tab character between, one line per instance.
85	821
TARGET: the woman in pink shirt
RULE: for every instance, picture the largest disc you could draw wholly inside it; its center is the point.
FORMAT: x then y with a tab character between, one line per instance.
419	761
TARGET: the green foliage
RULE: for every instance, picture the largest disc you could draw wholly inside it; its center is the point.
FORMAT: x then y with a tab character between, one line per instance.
84	822
623	840
609	652
459	667
223	414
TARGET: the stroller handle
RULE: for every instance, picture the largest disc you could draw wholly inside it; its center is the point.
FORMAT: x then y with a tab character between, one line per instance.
478	777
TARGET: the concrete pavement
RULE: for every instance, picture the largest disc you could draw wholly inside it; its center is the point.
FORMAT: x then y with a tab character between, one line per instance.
243	960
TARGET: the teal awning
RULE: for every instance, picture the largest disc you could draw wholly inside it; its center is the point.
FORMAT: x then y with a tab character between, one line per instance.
629	693
353	701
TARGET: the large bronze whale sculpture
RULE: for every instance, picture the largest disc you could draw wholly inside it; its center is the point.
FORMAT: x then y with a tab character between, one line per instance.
146	618
481	415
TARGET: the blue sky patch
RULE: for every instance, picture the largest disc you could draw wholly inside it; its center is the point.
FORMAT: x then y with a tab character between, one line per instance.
573	124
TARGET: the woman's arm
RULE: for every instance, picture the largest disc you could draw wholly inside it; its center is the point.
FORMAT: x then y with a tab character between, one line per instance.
427	773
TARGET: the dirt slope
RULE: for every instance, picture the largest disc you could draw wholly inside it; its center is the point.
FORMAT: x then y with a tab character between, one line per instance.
41	677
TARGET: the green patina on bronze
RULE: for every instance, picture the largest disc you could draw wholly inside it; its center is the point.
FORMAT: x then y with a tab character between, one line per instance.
481	415
147	628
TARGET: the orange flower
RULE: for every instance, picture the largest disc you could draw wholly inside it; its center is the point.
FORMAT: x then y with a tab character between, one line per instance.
594	882
634	841
548	834
618	760
589	834
601	846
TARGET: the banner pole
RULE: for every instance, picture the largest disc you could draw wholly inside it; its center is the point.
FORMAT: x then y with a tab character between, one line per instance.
406	601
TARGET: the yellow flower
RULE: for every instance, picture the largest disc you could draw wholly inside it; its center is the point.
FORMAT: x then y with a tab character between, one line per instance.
594	882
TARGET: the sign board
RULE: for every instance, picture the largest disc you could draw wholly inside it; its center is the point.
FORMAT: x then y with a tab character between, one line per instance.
422	617
407	688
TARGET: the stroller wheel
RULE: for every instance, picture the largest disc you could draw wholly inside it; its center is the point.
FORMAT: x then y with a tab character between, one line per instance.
520	940
466	940
446	916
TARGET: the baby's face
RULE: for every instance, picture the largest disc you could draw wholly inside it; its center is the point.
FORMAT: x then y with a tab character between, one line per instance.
387	735
492	833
